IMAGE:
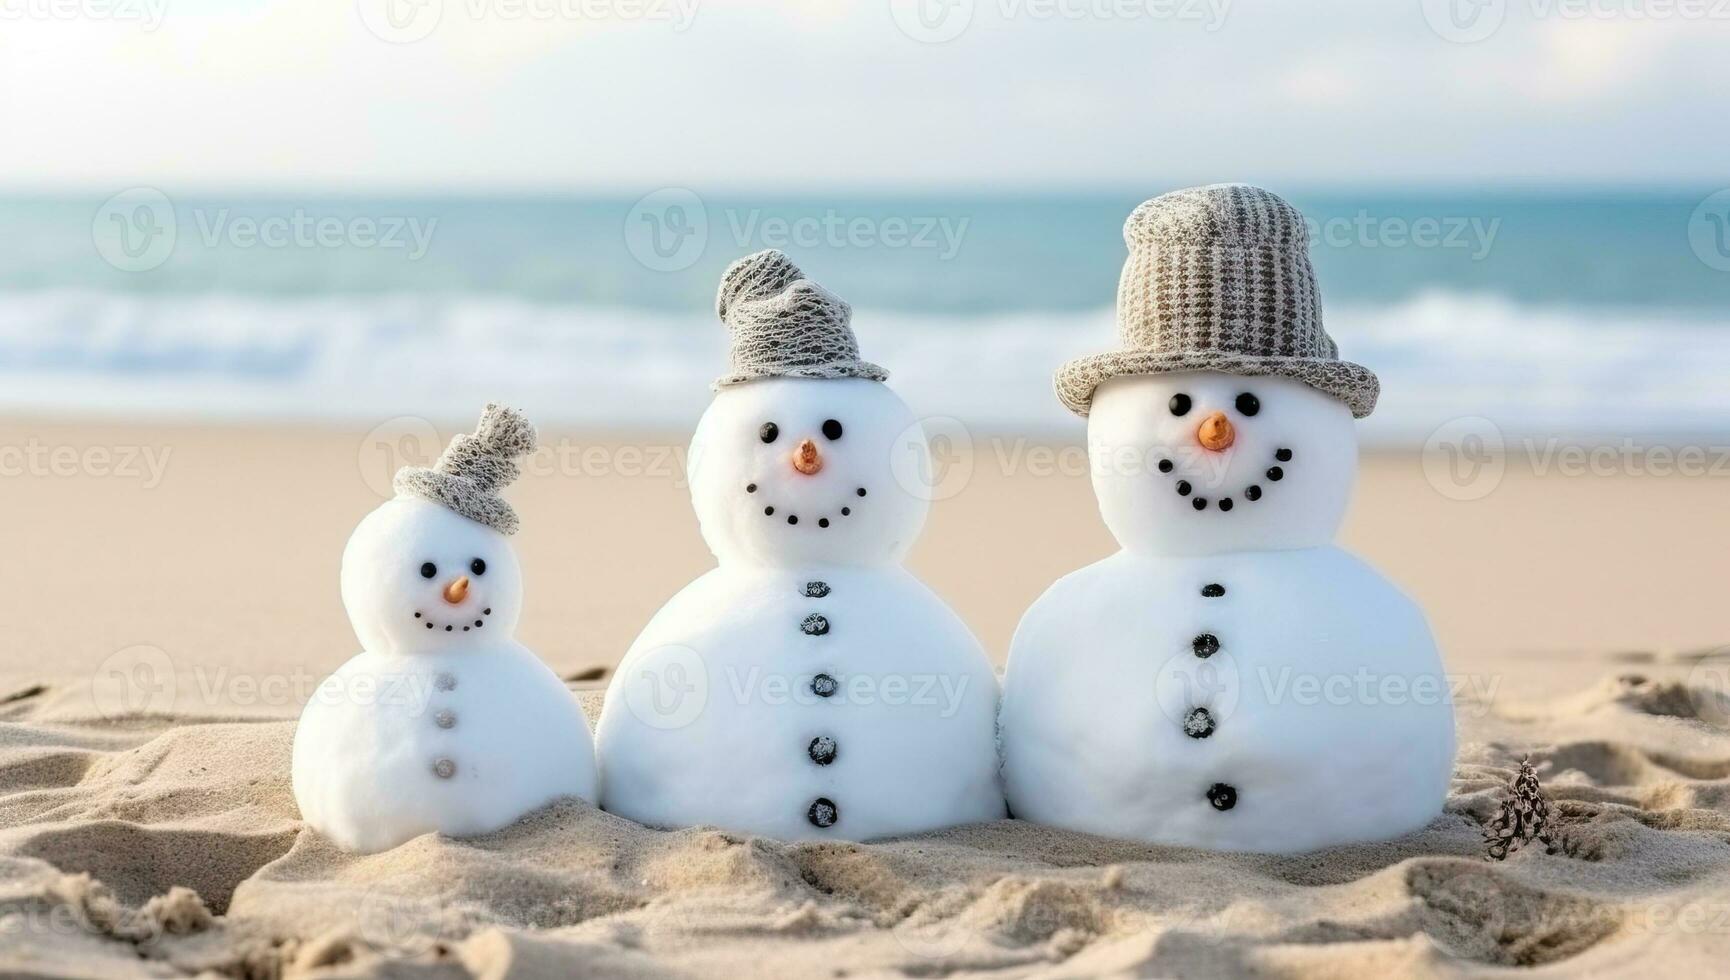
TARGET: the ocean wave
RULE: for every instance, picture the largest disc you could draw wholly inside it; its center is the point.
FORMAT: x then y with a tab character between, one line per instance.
1548	370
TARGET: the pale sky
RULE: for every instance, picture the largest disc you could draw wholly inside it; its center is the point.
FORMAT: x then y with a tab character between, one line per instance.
627	95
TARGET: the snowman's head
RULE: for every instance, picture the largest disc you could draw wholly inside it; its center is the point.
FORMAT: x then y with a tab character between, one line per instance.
796	470
420	578
1202	462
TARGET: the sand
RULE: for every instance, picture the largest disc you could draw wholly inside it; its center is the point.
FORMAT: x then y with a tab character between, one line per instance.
162	628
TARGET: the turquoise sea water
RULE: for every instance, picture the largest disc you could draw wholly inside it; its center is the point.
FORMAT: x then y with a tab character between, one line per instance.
1568	311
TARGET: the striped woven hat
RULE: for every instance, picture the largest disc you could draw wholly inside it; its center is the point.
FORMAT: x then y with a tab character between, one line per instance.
784	325
1219	279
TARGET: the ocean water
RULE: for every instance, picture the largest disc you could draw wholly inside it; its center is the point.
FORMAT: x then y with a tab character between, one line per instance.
1549	314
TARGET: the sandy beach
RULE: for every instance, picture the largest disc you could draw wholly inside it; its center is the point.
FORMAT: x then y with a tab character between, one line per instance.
171	599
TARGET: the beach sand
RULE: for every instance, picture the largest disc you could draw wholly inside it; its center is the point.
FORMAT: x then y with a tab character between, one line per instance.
165	619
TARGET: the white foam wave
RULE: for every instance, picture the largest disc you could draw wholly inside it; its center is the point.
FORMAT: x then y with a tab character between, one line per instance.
1549	370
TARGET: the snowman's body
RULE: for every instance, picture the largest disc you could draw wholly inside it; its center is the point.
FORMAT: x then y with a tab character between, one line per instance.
444	723
378	735
808	687
1230	679
889	676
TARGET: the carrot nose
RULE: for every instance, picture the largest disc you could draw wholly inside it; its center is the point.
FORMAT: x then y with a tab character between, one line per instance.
1216	433
806	458
457	591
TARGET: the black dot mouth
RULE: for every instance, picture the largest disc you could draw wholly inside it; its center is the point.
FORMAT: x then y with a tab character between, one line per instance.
452	627
1251	493
823	521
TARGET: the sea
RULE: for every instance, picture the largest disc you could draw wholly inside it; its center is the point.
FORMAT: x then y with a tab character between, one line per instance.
1557	314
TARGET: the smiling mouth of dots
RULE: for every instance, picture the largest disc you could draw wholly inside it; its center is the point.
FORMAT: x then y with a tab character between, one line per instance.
452	627
823	521
1251	493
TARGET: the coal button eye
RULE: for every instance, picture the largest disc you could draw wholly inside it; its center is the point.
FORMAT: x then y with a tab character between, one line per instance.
831	429
1248	404
478	566
1180	404
769	432
428	570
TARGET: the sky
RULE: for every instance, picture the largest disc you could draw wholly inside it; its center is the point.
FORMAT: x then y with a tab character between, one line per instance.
620	96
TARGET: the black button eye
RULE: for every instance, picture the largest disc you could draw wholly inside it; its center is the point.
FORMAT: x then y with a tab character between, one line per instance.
1248	404
1180	404
768	432
428	570
831	429
478	566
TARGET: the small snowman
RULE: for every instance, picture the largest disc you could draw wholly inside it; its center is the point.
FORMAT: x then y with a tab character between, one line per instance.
445	722
808	687
1229	679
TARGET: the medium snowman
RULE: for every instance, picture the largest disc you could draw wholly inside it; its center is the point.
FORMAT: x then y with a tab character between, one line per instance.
445	722
1230	679
808	687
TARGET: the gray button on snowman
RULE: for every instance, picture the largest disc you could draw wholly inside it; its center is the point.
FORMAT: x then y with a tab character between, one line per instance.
809	686
1230	678
444	722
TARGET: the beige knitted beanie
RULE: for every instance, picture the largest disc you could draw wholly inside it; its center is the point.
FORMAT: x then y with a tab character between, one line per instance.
1219	279
786	326
473	469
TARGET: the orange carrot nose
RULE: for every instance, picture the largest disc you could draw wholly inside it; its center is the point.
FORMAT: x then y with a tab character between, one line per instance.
806	458
1216	433
457	591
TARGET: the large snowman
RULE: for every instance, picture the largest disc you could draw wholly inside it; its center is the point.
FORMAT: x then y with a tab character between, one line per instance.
445	722
1229	679
809	686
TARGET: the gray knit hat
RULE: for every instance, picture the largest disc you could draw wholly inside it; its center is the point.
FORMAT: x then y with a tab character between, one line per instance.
784	325
1219	279
474	468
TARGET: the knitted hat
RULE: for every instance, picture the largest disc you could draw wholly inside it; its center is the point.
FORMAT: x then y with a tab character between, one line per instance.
474	468
784	325
1219	279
